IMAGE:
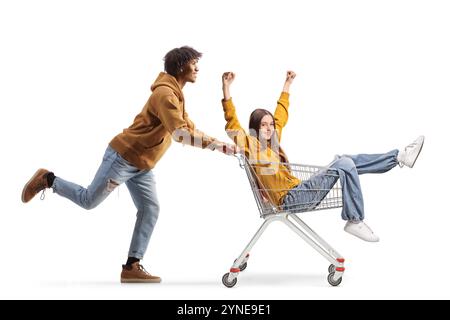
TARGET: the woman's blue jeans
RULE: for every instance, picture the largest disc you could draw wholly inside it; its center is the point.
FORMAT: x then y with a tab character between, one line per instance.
348	167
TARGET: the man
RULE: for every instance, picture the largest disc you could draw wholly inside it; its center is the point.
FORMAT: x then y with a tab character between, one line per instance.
132	154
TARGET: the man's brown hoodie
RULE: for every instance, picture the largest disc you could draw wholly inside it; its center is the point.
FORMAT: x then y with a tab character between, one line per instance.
162	118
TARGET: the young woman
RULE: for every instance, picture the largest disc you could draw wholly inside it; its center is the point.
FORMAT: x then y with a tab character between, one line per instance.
261	147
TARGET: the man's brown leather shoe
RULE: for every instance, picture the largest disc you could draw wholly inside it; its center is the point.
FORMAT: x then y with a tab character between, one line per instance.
36	184
137	274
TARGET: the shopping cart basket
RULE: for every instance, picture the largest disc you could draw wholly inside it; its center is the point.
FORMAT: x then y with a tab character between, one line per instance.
318	199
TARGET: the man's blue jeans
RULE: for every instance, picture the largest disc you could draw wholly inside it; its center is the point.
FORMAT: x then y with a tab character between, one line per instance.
113	171
348	167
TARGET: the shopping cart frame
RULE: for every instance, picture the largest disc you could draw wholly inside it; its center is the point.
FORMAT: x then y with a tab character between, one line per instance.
330	198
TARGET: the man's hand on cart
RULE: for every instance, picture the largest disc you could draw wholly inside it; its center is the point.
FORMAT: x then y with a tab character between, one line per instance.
226	148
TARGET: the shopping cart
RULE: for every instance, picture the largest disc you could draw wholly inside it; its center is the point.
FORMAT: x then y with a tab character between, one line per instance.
318	199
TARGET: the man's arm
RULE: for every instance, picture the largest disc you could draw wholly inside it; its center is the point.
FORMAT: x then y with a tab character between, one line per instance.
182	130
215	144
191	125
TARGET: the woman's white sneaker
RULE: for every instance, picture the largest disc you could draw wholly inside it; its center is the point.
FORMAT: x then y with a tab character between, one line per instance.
361	230
409	155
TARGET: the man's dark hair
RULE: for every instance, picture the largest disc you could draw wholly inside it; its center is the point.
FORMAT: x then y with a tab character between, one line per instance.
177	58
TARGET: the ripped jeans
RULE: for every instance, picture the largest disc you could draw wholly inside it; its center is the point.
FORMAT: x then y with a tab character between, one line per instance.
113	171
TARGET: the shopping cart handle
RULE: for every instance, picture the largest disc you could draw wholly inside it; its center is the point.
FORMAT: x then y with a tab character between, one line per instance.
241	157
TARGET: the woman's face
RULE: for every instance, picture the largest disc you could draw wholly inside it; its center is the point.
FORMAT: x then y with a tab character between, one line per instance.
267	127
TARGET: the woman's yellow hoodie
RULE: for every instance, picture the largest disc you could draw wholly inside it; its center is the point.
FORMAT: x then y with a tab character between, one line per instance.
275	178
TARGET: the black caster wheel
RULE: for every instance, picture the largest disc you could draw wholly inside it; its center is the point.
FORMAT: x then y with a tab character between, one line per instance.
333	282
331	268
227	283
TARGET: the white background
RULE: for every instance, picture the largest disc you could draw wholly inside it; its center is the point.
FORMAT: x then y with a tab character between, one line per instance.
372	76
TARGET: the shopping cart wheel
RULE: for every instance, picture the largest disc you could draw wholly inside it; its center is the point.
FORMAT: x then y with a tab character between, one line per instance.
243	266
331	268
226	283
333	282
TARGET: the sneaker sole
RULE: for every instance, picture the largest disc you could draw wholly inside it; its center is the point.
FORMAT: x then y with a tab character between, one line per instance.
420	150
27	184
359	237
139	281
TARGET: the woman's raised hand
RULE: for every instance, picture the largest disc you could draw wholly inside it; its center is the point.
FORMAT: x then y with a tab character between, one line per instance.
290	76
228	78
